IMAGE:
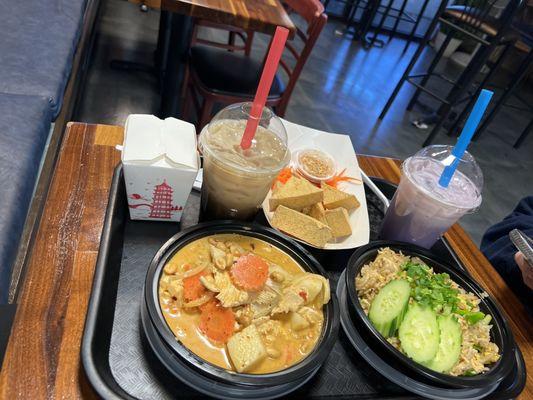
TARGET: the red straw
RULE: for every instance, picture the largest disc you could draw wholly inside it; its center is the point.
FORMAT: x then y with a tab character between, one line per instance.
267	77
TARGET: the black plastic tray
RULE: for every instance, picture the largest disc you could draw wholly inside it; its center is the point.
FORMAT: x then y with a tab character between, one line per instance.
118	361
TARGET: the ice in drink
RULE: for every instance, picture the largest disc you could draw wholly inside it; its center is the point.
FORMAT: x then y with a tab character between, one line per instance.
236	181
422	210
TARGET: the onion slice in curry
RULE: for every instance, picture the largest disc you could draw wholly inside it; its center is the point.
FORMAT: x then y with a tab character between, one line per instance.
198	302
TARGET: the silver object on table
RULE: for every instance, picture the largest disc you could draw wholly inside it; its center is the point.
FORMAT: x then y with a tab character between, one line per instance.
523	243
372	186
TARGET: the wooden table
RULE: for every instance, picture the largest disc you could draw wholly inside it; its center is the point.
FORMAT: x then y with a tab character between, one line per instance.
258	15
176	29
43	354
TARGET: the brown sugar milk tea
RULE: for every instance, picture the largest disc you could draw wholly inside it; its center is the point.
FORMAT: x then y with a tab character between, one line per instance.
236	181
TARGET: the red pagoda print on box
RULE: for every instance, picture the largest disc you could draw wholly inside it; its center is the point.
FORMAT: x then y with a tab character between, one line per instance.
161	206
162	201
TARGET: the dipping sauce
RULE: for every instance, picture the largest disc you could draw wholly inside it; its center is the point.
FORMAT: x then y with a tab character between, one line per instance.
242	304
315	165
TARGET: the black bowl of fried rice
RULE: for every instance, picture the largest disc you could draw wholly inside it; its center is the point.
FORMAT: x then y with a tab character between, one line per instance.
487	347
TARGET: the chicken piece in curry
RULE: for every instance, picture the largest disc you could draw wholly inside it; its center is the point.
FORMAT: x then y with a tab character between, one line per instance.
242	304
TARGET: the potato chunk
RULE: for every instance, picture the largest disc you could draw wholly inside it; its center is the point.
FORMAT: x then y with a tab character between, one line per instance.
298	322
246	349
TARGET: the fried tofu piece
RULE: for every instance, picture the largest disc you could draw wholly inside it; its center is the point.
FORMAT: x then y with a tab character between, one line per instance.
335	198
317	212
296	193
339	222
246	349
301	226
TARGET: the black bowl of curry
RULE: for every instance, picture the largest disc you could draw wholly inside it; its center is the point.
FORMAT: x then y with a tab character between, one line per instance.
241	304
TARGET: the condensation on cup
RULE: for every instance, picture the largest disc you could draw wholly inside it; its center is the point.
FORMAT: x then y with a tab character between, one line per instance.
421	210
236	181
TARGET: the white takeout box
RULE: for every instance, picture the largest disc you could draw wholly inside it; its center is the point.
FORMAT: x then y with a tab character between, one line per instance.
160	161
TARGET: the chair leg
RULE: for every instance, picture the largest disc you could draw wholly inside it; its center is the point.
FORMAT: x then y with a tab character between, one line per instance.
205	113
249	42
524	134
415	26
397	22
183	93
413	61
231	40
403	78
384	16
457	92
281	108
186	103
469	73
369	13
516	79
486	80
351	16
446	108
430	70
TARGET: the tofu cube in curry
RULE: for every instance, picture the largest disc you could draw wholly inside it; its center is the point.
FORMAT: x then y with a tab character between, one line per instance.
246	349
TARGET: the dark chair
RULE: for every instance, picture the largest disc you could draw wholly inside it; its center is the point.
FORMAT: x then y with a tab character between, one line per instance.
246	36
524	45
218	76
475	20
398	14
370	9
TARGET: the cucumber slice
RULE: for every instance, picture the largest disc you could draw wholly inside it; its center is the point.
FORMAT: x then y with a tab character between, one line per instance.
389	306
451	339
419	333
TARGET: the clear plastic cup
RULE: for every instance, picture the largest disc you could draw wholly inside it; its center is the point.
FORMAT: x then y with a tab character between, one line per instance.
421	210
236	181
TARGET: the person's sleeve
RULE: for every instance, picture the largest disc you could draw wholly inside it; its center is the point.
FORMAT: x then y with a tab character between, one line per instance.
500	251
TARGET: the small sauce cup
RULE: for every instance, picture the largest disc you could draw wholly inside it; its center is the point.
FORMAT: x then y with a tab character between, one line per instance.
315	165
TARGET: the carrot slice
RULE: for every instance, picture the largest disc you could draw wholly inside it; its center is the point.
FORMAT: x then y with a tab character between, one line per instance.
207	305
193	288
283	176
250	272
340	178
217	322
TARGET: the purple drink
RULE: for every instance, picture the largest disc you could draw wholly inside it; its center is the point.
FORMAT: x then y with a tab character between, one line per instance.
422	210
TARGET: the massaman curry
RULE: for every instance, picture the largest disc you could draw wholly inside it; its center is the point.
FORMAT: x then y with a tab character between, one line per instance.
242	304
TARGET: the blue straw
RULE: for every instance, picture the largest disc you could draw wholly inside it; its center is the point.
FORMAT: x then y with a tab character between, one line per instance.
466	135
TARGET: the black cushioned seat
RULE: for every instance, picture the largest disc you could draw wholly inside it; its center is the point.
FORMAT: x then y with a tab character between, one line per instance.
227	73
24	125
38	40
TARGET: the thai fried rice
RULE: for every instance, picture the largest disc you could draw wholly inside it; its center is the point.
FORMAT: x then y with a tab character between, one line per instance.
477	350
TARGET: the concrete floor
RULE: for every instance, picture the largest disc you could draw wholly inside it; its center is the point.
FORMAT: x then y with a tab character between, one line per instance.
342	89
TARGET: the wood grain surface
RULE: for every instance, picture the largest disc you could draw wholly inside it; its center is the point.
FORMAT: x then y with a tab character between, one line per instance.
257	15
43	354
